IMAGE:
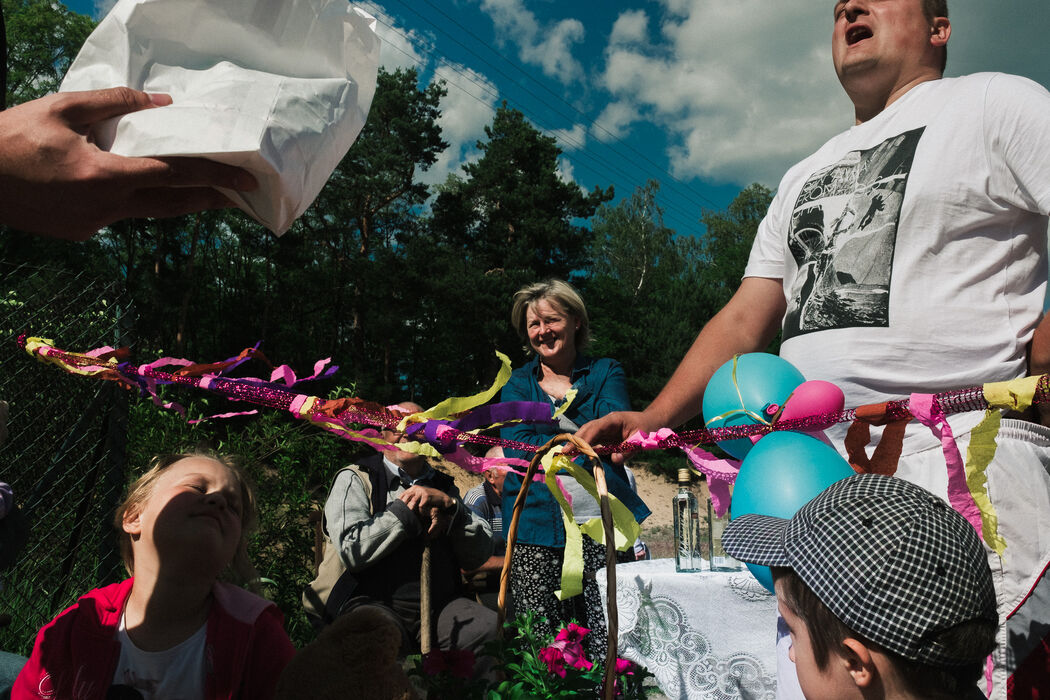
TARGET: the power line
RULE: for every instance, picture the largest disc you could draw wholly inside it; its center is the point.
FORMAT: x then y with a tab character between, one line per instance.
581	156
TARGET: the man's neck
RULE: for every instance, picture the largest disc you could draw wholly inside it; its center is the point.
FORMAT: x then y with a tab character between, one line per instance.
413	468
869	103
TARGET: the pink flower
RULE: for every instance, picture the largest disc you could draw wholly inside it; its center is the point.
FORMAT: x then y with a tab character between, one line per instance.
554	659
574	656
572	633
458	662
566	649
624	666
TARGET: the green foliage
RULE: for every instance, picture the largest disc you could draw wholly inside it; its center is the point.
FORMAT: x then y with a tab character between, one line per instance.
528	666
514	210
645	293
727	243
43	38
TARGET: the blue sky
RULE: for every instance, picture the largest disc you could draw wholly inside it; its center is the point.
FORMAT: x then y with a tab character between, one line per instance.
706	96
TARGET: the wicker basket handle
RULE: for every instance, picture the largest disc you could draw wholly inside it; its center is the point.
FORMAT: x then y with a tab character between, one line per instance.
610	545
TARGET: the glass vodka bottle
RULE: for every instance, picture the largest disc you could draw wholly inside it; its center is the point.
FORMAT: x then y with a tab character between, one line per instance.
687	556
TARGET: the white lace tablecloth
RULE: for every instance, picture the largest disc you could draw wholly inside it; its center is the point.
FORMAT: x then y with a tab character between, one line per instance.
705	635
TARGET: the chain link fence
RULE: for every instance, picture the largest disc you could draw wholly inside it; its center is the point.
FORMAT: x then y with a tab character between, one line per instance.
65	451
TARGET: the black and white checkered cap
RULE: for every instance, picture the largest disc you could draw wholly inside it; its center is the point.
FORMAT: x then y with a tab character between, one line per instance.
892	561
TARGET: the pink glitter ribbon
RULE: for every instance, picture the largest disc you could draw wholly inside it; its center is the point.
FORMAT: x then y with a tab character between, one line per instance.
720	472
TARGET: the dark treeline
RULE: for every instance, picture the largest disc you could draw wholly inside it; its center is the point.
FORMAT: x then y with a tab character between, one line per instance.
407	287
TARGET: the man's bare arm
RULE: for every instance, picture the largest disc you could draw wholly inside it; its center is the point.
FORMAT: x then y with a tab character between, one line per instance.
747	323
1039	361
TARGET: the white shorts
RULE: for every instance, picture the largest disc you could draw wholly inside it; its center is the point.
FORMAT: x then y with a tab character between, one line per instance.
1019	489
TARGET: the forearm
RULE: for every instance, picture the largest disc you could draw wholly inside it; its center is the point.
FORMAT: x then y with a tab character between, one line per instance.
471	538
364	539
746	324
1039	349
493	563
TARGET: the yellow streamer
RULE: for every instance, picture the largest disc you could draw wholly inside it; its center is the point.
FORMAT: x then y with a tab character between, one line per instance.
626	529
458	404
979	455
34	345
569	396
1015	395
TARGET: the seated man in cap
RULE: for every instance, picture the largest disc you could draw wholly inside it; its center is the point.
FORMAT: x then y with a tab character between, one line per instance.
886	590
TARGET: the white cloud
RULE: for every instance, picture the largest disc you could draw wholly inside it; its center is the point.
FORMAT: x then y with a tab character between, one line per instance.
631	27
549	47
743	88
399	47
466	110
571	139
102	7
554	52
566	173
612	123
746	88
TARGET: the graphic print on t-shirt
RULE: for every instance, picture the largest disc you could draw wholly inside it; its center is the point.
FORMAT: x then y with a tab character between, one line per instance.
842	237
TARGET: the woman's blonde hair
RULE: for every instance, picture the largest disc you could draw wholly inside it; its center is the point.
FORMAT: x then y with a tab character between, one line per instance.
239	571
559	293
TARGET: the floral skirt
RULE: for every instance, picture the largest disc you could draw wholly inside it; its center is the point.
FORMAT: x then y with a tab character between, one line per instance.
535	573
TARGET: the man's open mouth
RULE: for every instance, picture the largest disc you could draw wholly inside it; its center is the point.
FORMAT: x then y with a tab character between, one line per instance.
857	33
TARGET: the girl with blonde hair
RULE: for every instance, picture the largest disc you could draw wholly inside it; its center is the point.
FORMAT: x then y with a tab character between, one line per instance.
177	627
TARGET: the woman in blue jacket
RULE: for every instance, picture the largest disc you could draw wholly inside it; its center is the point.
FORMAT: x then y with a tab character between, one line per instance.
551	317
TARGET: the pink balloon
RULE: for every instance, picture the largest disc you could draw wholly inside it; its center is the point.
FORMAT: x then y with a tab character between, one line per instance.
814	398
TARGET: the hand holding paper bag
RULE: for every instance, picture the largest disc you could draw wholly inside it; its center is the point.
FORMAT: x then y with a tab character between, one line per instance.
280	88
55	181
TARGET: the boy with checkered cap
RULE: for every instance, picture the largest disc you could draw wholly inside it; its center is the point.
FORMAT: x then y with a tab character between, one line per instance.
885	589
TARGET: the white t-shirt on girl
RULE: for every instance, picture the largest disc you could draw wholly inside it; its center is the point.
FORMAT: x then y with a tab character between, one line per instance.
173	674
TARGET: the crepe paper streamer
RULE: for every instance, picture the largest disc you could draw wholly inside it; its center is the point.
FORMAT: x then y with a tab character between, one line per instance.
148	377
233	414
288	375
1016	395
720	472
456	405
625	528
925	409
979	455
40	348
444	434
497	414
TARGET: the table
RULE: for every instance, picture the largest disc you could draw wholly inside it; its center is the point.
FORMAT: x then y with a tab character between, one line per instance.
703	635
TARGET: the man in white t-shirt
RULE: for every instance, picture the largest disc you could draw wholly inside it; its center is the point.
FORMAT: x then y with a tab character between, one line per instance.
909	254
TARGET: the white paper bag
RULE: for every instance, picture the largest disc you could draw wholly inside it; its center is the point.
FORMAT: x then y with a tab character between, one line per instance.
280	88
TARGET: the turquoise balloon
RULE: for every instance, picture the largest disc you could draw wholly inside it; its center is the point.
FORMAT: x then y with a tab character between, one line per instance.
762	380
781	473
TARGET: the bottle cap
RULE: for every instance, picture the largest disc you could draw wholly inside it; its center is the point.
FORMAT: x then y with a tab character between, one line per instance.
685	475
